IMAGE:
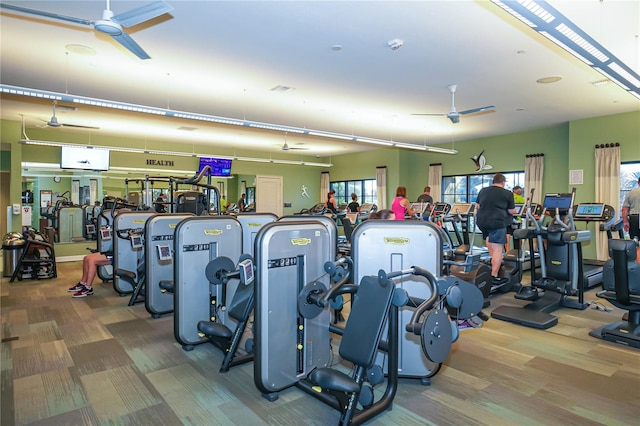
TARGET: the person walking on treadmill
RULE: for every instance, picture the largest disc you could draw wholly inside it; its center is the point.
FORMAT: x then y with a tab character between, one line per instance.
495	207
631	212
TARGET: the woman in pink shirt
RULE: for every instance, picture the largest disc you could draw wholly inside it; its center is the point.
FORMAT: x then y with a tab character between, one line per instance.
401	205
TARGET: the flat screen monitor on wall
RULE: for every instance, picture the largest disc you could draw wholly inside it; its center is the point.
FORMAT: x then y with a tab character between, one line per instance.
81	158
219	166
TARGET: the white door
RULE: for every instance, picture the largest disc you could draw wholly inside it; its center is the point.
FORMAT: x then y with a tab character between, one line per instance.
269	194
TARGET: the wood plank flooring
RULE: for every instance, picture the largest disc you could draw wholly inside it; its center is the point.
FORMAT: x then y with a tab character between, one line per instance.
95	361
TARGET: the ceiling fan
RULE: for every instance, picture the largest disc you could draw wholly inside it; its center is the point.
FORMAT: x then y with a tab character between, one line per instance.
454	115
110	24
286	147
53	121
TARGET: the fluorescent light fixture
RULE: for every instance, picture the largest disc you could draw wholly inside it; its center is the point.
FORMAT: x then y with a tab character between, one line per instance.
441	150
611	77
178	153
116	169
68	98
331	135
374	141
584	44
567	48
615	67
552	24
539	11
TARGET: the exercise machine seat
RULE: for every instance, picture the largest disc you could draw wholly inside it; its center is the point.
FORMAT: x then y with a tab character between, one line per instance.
336	381
359	344
214	329
223	337
136	279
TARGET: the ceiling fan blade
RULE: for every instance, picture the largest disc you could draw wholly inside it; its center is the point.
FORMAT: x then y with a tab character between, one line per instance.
45	14
78	126
434	115
476	110
142	14
126	40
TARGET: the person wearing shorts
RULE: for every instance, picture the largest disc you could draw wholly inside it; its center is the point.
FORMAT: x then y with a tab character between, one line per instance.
495	207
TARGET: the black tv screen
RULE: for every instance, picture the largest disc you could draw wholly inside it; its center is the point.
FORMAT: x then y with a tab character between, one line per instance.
81	158
219	166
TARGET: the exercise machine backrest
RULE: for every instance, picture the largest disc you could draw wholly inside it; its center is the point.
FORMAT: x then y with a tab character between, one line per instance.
623	279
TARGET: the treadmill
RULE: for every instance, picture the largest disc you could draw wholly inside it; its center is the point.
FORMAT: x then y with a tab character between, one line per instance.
594	212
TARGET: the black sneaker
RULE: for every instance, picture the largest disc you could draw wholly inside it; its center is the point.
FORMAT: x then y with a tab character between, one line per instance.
76	288
86	291
499	281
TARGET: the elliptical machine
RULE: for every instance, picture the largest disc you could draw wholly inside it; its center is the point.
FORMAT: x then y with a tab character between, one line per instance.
562	283
479	273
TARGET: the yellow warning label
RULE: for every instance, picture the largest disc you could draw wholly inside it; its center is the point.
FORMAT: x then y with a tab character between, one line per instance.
212	231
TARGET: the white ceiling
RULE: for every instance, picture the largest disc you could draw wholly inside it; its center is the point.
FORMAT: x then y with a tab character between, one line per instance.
223	58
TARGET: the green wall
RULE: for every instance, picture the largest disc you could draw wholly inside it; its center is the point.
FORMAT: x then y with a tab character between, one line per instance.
566	147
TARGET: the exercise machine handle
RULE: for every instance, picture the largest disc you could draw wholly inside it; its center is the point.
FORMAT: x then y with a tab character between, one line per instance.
414	326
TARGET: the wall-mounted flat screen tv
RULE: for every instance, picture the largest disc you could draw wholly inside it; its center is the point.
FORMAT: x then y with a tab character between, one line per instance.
81	158
219	166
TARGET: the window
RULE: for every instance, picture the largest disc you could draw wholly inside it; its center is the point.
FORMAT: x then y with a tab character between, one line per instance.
366	190
629	174
465	188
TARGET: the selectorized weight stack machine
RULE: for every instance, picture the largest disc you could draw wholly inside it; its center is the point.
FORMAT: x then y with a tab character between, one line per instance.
198	241
252	223
128	248
395	246
159	256
288	255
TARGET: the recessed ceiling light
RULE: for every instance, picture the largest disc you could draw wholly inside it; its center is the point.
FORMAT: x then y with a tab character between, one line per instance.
548	80
80	49
336	47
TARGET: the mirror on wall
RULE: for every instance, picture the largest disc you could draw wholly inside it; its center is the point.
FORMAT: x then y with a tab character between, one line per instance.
65	202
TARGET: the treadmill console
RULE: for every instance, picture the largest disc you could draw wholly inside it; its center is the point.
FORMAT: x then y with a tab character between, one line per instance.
463	209
561	202
520	210
421	208
598	212
440	209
